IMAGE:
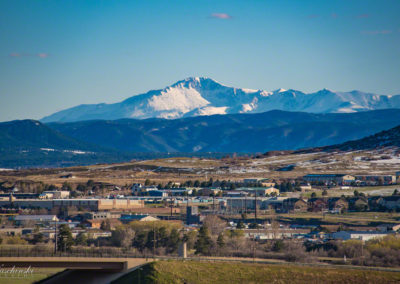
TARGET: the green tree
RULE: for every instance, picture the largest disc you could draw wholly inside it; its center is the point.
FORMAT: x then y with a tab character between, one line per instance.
139	241
190	239
38	238
161	237
240	225
204	243
221	240
65	240
66	186
82	188
81	239
278	246
173	241
325	192
253	226
105	225
313	195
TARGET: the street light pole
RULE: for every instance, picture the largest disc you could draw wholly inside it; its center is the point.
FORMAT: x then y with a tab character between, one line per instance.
55	236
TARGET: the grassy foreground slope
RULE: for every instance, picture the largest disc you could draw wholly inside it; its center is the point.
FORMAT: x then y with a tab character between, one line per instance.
37	275
223	272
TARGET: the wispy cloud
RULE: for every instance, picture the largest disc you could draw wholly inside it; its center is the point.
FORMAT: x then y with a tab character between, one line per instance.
222	16
40	55
43	55
377	32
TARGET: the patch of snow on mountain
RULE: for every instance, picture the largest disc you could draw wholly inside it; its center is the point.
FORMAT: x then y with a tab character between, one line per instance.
179	99
209	110
249	91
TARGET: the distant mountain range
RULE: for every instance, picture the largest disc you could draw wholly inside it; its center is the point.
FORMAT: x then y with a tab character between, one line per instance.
32	143
29	143
204	96
386	138
273	130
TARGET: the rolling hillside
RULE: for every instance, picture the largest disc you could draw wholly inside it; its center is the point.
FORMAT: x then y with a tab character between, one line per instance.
274	130
29	143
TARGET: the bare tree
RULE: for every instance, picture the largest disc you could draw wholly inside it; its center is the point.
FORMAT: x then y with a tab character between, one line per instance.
215	224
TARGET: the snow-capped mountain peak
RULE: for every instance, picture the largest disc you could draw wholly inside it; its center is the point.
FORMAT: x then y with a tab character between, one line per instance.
195	96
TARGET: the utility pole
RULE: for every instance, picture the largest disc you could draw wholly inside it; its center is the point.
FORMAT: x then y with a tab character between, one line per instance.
362	251
55	237
213	203
154	241
245	204
254	248
170	193
255	206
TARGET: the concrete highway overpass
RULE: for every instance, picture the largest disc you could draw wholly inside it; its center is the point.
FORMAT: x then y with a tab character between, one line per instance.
78	269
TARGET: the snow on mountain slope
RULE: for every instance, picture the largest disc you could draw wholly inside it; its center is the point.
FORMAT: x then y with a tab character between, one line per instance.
203	96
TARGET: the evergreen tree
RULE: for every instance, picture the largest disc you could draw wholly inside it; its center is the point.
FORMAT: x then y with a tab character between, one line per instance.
240	225
173	241
221	240
66	186
65	240
161	237
139	241
204	242
38	238
81	239
253	226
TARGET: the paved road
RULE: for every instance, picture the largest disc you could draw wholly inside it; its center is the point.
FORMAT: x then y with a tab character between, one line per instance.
83	277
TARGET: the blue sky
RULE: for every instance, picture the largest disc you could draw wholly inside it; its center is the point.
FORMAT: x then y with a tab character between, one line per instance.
58	54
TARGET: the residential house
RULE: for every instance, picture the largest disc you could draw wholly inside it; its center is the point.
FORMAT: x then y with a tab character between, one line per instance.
126	218
389	227
339	179
317	204
294	205
374	203
338	204
390	202
209	191
375	179
358	203
96	223
260	191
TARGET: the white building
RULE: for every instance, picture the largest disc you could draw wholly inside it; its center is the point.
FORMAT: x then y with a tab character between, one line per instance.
358	235
54	194
35	218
